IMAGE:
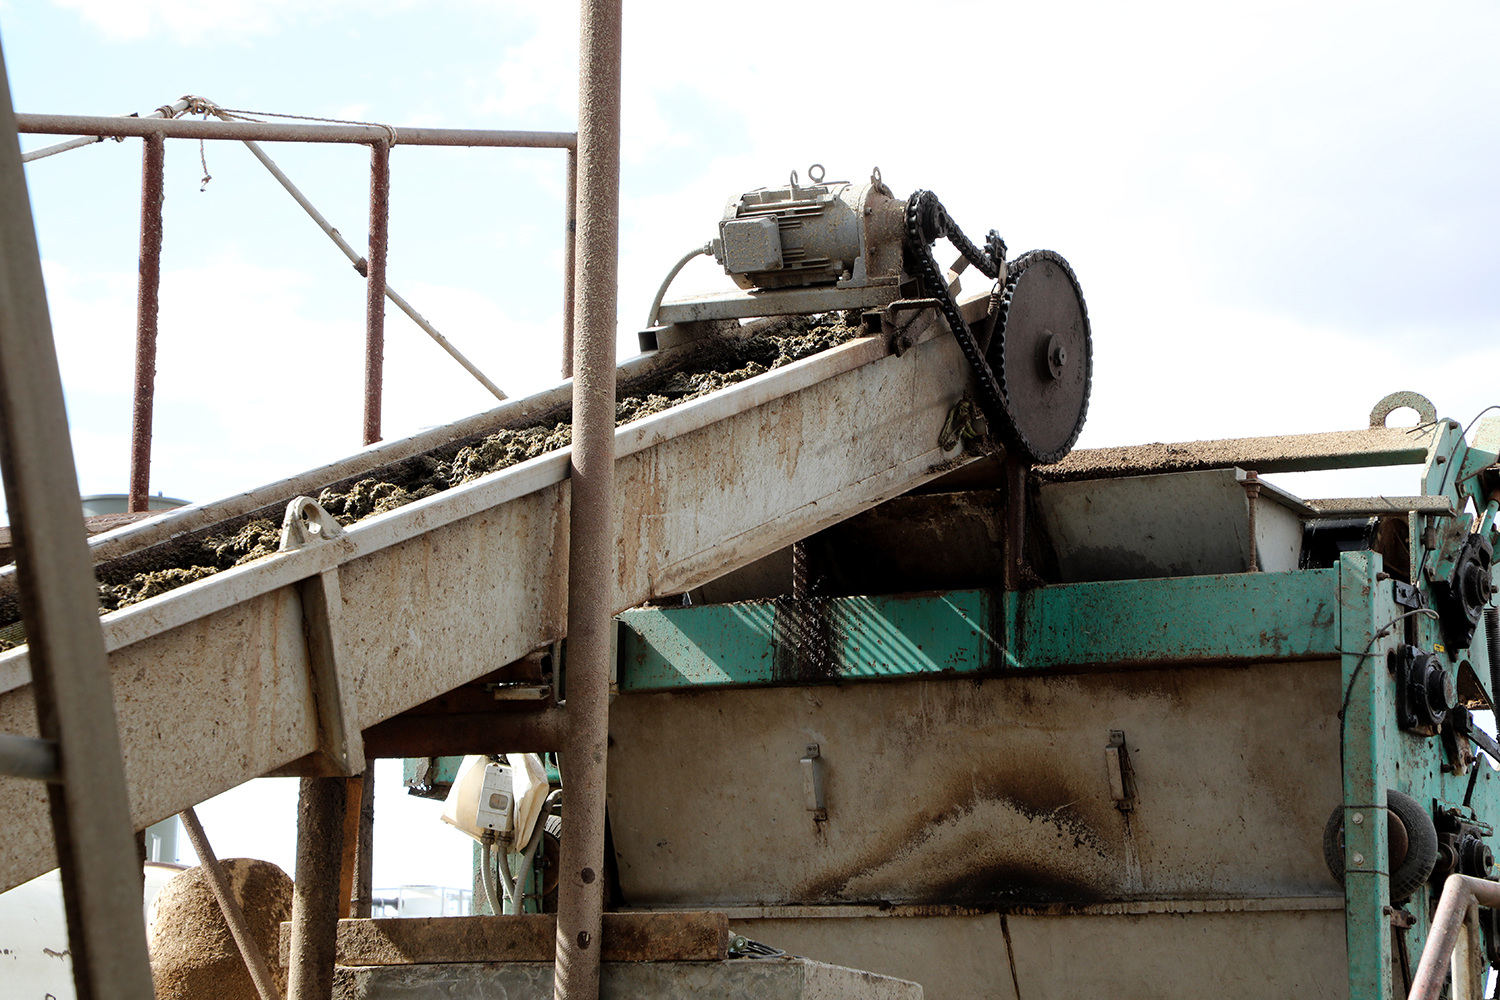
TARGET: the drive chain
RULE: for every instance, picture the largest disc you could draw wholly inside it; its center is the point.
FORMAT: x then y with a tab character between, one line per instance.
926	220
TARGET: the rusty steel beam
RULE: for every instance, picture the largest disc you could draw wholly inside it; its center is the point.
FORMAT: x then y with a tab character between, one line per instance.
354	793
413	735
73	696
188	128
380	217
148	288
591	529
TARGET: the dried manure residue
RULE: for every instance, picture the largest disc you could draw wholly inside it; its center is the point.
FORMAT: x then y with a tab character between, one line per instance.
790	340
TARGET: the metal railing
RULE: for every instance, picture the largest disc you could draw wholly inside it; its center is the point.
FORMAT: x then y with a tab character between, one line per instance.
91	810
1454	923
162	124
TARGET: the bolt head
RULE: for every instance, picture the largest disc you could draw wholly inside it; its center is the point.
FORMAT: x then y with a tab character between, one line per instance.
1359	859
1357	818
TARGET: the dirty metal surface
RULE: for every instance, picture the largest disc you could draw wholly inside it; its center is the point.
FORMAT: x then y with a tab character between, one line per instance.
980	793
1113	625
1185	524
777	302
1251	955
1370	506
936	541
628	937
787	979
1057	958
1286	453
446	589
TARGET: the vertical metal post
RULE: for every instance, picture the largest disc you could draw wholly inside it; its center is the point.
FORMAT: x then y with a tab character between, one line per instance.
570	233
1368	719
380	216
148	288
1252	494
349	864
364	853
90	808
315	890
591	534
1015	523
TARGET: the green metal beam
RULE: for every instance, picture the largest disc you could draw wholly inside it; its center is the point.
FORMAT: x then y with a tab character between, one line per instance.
1243	617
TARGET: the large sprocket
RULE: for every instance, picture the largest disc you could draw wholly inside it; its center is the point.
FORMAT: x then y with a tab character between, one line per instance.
1042	356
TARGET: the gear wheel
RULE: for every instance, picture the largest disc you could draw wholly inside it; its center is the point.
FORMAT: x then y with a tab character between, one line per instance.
1042	356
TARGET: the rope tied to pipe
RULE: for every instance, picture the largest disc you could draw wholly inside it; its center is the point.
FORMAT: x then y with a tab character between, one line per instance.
245	116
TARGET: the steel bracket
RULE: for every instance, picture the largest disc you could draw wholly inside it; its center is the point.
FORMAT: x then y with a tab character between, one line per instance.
307	525
1121	779
900	333
812	782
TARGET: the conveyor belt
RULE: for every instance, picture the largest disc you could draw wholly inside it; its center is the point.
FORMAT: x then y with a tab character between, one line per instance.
213	681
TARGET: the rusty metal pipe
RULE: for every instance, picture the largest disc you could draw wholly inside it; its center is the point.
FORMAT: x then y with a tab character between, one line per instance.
380	216
570	233
147	300
362	267
165	111
1458	892
315	890
255	962
1252	495
486	137
189	128
591	534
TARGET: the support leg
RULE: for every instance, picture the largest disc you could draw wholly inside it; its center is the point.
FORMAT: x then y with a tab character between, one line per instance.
315	895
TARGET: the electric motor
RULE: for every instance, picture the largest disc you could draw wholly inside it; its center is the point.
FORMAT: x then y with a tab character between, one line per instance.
838	233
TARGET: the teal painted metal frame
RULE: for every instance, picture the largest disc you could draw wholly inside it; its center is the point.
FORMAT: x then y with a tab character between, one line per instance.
1347	612
1086	626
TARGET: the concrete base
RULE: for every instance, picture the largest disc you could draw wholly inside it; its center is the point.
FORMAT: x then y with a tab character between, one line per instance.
754	979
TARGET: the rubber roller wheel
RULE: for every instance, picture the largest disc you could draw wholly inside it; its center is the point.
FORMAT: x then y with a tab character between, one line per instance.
1410	837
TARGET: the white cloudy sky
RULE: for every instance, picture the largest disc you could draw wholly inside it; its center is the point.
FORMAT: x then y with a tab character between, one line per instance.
1279	212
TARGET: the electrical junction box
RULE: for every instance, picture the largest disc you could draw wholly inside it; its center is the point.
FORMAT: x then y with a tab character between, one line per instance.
481	802
495	812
